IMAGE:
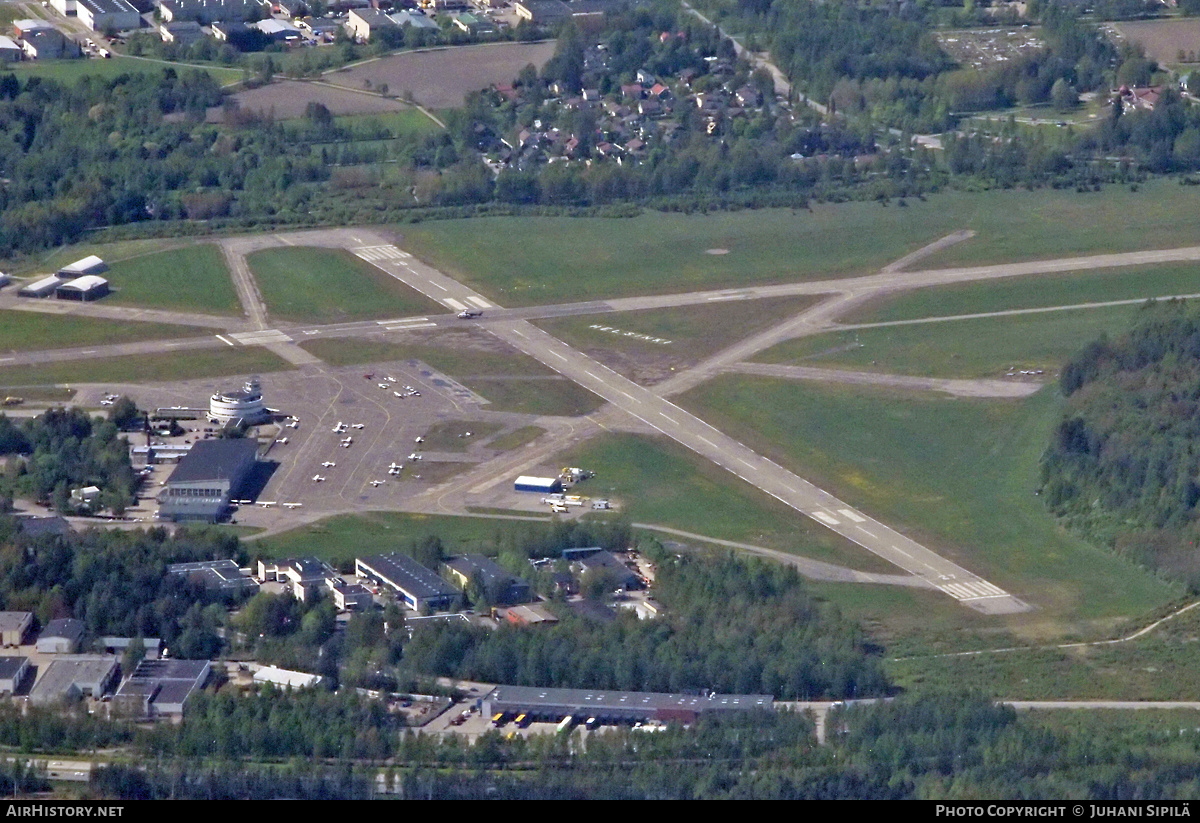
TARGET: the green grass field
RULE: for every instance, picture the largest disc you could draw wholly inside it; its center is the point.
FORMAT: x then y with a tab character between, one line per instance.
31	331
399	123
983	347
1159	666
532	260
957	475
692	333
193	278
112	253
69	71
450	435
149	368
516	438
1032	292
310	285
509	380
345	537
657	482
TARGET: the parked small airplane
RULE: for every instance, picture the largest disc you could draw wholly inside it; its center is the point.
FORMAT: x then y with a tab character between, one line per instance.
292	505
329	464
318	478
378	482
358	426
414	456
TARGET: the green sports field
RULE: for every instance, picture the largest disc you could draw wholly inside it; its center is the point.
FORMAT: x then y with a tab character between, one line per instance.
311	285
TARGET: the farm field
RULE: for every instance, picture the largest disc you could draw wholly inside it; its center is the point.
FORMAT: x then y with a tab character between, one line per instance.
959	476
647	346
148	368
311	285
287	99
982	347
1163	39
440	78
193	278
519	261
1031	292
32	331
509	380
658	482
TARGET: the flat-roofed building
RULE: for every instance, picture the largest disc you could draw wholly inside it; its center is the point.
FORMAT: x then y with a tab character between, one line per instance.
542	12
604	562
118	645
420	589
61	636
615	707
205	12
528	615
49	44
13	672
71	677
215	575
350	597
161	688
24	27
278	30
203	483
108	15
181	32
14	628
362	23
500	587
286	679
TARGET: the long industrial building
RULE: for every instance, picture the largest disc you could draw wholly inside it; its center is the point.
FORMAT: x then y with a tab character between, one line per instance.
421	589
614	707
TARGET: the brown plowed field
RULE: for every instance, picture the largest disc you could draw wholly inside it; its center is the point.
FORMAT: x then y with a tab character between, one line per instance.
440	78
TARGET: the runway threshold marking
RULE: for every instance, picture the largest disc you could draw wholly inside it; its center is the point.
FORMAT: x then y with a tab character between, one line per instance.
826	519
452	303
479	302
851	516
409	326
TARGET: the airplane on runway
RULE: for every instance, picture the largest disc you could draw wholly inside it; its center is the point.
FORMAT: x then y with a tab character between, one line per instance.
318	478
328	464
378	482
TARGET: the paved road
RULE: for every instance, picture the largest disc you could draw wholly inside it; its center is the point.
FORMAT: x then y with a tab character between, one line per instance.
957	388
666	418
243	281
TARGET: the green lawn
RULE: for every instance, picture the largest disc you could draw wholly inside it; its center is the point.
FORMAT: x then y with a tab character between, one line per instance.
657	482
399	123
516	438
1159	666
678	337
148	368
69	71
983	347
31	331
1033	292
450	435
533	260
311	285
958	475
345	537
193	278
509	380
112	253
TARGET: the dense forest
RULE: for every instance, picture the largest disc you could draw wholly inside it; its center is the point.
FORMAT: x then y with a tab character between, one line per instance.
1124	464
47	456
915	747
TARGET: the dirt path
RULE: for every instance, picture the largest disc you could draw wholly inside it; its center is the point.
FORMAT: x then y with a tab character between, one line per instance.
957	388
